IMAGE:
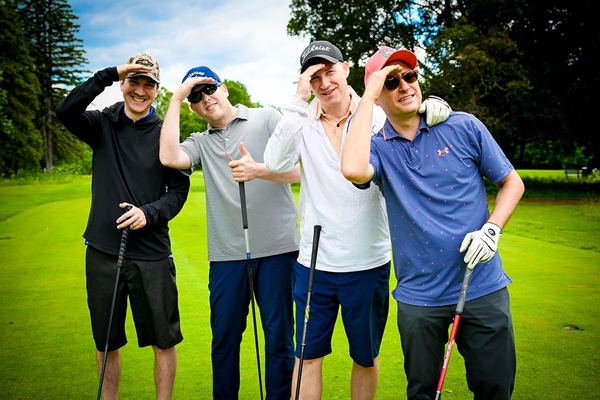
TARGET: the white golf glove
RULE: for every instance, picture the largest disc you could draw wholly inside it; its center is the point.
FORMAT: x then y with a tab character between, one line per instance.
481	244
436	110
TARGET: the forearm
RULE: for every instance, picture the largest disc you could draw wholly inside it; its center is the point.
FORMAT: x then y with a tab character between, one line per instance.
171	202
77	101
281	153
510	191
171	154
292	176
71	111
356	151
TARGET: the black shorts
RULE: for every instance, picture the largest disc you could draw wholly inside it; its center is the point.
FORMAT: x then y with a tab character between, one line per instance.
152	292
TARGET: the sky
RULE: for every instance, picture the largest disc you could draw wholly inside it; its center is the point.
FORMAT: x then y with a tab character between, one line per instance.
240	40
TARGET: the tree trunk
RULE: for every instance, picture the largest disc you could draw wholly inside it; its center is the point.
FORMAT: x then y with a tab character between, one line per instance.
47	134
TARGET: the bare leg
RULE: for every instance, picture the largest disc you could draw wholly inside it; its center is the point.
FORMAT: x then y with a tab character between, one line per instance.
112	373
364	381
165	365
311	381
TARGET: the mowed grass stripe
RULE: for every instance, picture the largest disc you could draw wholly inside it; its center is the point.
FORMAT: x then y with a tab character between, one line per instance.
47	350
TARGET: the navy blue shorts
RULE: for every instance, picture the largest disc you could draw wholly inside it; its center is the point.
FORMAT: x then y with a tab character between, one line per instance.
152	292
364	299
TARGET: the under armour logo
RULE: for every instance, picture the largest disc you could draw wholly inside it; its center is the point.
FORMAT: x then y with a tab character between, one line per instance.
443	152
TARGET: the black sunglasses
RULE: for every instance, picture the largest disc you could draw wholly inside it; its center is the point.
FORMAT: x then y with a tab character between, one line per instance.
196	96
394	82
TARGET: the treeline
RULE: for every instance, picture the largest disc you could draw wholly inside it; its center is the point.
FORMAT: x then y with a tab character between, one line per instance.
40	56
40	59
523	67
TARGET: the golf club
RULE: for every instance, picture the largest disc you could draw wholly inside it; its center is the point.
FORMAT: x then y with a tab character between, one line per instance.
459	309
250	280
313	264
124	236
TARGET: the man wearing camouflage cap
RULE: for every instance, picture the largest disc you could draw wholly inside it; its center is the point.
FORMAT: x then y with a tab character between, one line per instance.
126	171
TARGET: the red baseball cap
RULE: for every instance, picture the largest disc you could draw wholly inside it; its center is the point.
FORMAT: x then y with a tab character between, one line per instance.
386	55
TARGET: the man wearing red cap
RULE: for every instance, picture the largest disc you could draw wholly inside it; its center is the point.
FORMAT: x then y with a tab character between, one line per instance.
353	263
432	180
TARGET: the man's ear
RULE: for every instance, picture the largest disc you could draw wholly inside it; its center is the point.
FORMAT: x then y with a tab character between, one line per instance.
346	68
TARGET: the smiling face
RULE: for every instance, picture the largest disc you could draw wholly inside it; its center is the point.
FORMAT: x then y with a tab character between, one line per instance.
329	84
404	101
138	93
214	108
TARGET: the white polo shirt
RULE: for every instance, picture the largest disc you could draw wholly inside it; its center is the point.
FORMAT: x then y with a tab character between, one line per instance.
354	235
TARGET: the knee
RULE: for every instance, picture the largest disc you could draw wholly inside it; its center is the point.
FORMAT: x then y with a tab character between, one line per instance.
158	351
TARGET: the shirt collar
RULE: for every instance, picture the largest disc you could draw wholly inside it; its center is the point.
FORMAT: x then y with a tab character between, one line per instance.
388	132
150	114
241	113
351	109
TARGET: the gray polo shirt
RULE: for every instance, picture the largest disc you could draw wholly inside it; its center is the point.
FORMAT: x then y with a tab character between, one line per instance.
272	214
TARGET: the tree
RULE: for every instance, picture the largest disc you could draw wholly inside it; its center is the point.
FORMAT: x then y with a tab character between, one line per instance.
188	121
58	56
560	41
526	68
357	27
481	74
238	94
20	142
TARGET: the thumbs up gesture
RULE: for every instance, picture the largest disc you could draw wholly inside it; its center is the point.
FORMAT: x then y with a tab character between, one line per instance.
245	169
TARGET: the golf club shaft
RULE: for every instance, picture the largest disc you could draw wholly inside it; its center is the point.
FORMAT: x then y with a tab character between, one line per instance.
250	280
457	313
313	265
122	247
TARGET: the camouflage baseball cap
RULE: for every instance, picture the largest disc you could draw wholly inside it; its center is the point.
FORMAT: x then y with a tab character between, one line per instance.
146	60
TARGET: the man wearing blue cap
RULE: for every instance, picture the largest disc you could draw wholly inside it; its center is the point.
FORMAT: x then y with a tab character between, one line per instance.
239	132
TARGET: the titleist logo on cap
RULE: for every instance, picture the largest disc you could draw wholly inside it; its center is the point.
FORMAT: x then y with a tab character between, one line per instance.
195	74
312	48
386	51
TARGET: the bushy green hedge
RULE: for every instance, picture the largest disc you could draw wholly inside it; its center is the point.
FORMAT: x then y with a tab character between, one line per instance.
555	189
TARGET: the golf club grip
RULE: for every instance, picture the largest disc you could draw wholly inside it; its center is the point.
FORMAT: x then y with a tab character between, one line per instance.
123	246
124	237
313	257
243	205
463	291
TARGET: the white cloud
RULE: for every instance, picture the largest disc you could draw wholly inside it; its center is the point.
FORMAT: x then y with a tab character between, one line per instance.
245	41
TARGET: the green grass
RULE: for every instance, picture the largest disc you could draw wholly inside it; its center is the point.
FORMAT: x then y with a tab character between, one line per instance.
549	248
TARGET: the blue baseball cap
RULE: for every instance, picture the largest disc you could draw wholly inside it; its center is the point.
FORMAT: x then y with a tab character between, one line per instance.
202	72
